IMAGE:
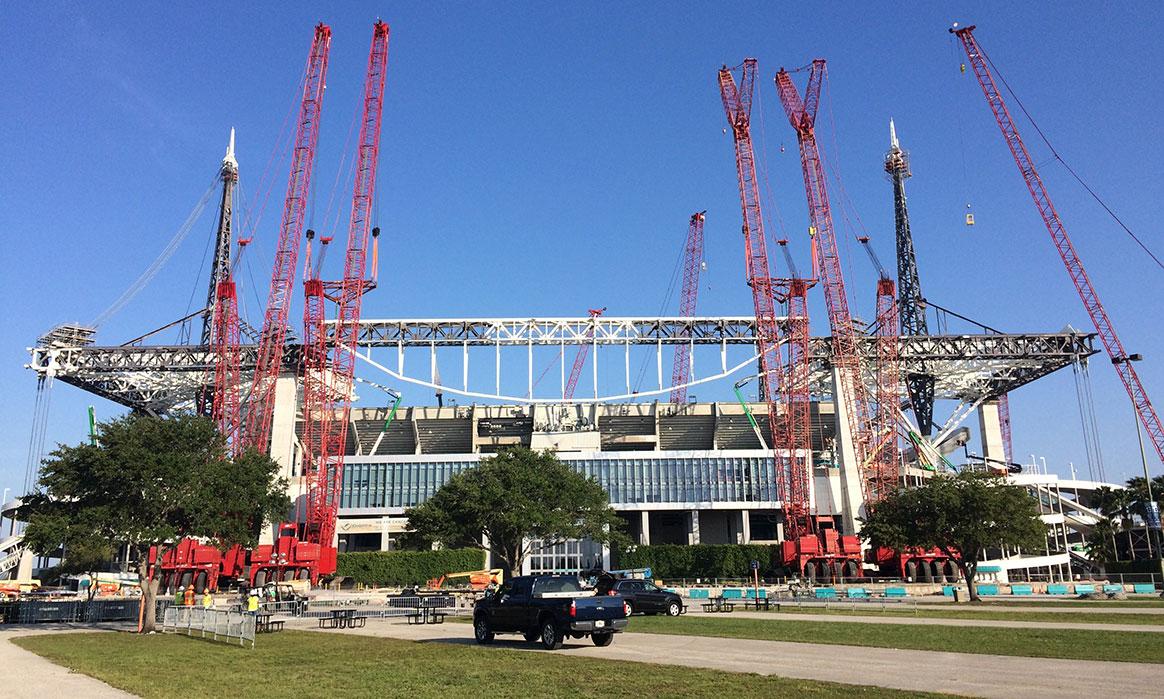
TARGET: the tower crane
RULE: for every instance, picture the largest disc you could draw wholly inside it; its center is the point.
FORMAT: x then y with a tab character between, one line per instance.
1120	358
910	305
330	362
692	261
805	550
580	358
269	361
850	393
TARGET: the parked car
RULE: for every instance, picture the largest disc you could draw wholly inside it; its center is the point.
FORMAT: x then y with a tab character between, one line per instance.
643	596
547	608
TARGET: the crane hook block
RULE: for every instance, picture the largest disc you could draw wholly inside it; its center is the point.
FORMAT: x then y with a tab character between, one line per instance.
376	232
310	234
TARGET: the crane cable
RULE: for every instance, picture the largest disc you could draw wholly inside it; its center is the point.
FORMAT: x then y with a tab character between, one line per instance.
1068	167
166	253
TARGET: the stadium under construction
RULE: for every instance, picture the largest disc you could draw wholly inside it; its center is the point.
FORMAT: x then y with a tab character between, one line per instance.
830	422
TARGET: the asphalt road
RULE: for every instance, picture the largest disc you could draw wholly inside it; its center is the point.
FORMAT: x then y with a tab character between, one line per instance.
956	673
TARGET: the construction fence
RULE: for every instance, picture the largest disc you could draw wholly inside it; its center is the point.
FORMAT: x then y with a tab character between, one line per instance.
215	624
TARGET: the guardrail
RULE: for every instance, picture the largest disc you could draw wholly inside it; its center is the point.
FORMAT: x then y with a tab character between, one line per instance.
207	622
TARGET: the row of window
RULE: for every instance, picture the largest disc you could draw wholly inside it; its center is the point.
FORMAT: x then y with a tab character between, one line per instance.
627	480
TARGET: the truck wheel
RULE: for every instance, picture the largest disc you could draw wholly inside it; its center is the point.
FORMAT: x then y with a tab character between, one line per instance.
531	636
602	639
200	583
673	609
260	578
186	579
552	638
481	631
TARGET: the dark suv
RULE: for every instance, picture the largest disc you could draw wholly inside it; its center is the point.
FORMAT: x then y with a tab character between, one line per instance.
643	596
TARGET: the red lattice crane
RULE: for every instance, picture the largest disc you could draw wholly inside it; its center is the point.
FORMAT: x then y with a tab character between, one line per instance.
1120	358
692	261
330	361
269	361
883	471
580	358
795	441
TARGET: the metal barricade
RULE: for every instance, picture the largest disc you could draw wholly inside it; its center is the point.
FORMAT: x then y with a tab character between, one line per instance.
286	607
207	622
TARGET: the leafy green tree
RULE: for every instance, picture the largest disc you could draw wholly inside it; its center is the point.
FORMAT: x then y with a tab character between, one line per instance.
961	515
150	481
1116	505
518	502
1101	546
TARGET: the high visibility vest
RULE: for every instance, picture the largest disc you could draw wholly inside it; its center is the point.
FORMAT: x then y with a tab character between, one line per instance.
253	604
207	600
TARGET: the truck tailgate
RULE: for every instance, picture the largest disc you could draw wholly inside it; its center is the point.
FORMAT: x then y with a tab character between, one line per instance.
596	608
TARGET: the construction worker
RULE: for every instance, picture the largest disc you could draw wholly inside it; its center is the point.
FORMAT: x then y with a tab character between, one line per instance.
207	599
179	596
188	598
253	602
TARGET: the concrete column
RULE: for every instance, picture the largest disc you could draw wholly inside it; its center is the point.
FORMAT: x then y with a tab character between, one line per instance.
852	497
693	527
644	528
745	526
990	430
283	448
24	568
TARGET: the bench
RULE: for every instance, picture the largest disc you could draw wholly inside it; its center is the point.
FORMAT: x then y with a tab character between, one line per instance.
1143	589
987	589
1022	590
896	592
857	593
825	593
751	594
1112	588
702	593
730	593
1057	590
1081	589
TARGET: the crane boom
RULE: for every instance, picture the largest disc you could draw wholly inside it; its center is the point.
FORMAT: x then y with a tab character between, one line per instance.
846	357
270	354
737	104
692	259
1087	293
329	362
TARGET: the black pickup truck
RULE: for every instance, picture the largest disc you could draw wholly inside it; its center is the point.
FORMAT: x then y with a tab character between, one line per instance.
547	608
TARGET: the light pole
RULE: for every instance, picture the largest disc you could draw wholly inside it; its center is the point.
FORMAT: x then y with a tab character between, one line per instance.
1150	504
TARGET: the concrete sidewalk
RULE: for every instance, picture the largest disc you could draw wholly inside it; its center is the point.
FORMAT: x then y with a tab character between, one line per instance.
936	621
28	676
957	673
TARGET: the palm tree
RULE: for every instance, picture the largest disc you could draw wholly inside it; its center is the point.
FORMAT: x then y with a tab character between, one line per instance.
1116	505
1140	503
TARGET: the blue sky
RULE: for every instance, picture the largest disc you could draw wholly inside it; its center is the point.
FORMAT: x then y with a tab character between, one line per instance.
540	159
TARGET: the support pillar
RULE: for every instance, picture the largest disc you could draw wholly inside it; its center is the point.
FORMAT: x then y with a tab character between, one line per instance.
745	526
852	497
693	527
990	430
283	446
644	528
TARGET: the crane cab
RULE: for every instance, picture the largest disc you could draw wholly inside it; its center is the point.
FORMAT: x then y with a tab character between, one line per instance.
969	216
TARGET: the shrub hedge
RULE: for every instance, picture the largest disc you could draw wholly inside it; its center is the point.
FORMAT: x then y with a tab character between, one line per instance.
391	568
702	560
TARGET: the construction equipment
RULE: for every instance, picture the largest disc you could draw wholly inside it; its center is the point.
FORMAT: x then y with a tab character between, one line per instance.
580	360
850	392
882	470
692	260
1120	358
809	548
478	580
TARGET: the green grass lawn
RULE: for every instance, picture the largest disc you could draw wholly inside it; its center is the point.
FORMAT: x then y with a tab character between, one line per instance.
1137	602
1141	647
1000	614
301	665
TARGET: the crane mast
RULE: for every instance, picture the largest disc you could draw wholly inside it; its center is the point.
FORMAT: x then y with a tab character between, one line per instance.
580	358
792	482
1087	293
910	305
270	353
329	375
845	351
692	259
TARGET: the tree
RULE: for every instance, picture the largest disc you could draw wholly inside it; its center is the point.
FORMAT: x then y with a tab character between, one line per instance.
961	515
149	481
518	502
1116	505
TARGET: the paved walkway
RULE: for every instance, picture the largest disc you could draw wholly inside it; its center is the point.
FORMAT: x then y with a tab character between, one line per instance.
958	673
28	676
937	621
1047	607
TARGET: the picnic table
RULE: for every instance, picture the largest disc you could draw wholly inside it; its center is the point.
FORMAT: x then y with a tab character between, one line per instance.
342	619
428	612
758	604
718	604
265	624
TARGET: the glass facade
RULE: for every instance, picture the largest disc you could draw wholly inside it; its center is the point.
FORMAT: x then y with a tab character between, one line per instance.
629	478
